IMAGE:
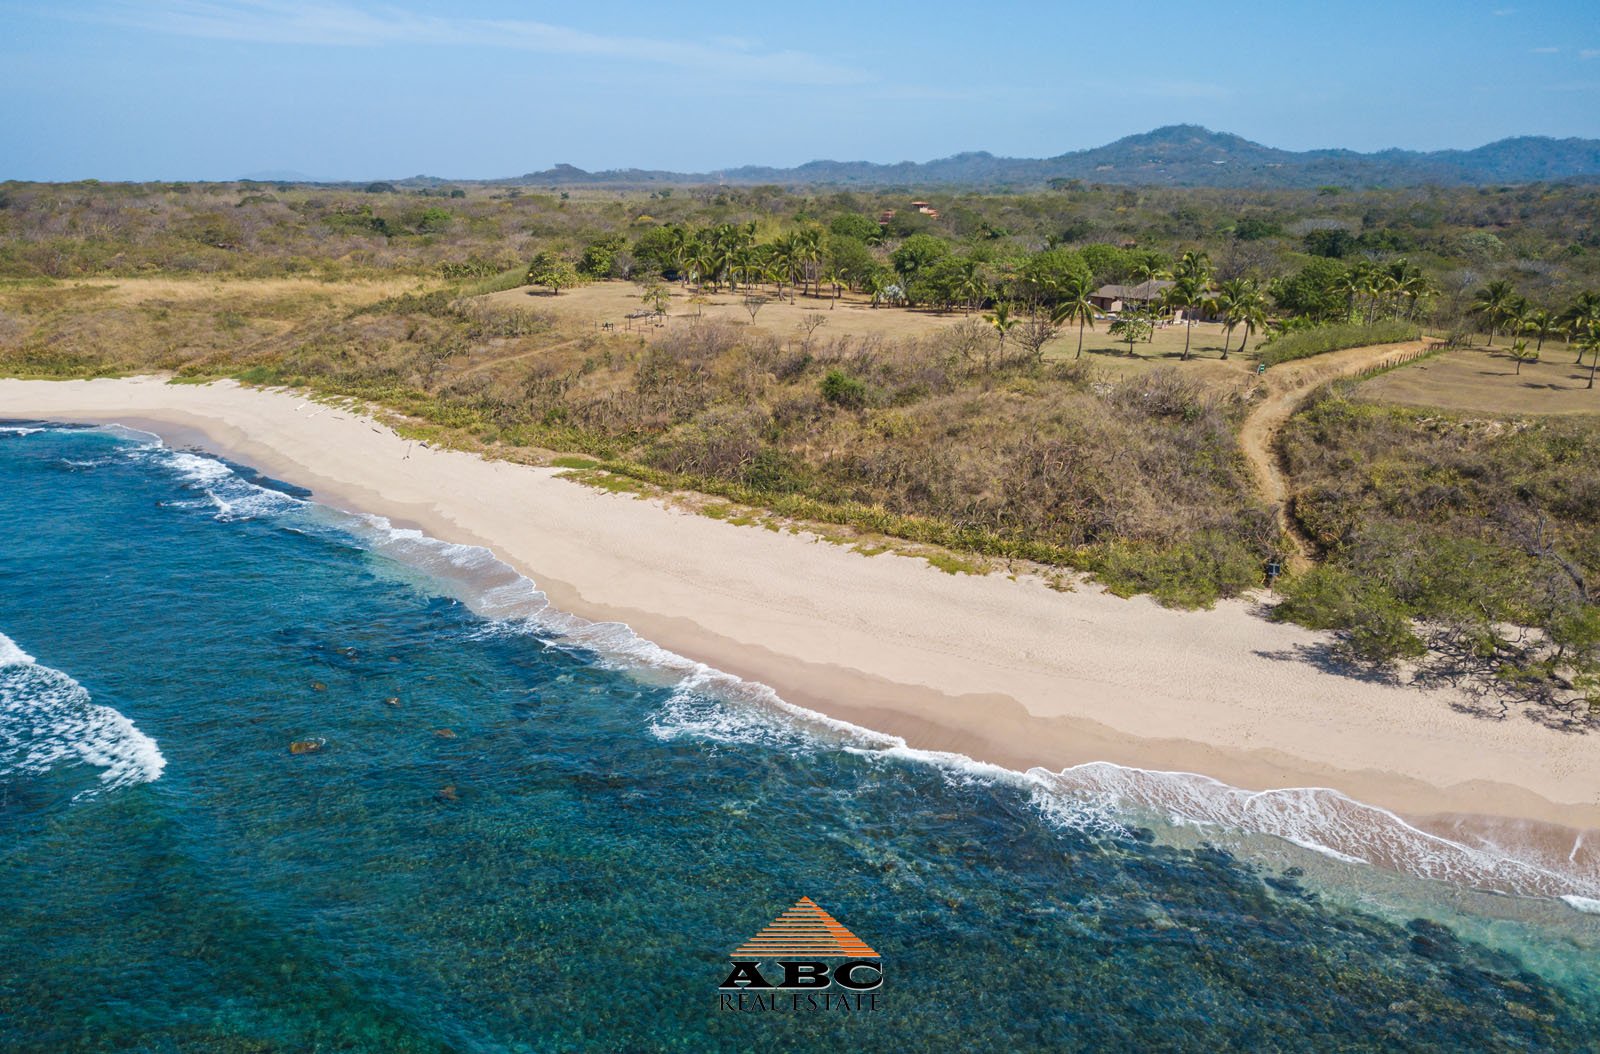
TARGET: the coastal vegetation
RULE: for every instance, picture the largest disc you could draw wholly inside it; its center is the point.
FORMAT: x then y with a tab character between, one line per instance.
948	373
1464	541
1318	340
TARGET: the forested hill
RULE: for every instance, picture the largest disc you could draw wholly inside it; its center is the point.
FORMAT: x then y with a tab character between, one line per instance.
1178	155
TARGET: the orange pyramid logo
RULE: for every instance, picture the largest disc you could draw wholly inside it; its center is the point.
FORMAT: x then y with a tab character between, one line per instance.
804	930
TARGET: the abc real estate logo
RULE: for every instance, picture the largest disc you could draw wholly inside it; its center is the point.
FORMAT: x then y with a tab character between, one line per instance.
805	960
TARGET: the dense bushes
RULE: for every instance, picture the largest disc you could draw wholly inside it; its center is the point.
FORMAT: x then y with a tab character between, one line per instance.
1321	339
841	389
1469	542
931	439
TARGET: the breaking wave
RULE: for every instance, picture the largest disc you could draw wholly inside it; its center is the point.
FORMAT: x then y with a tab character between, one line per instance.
714	707
47	720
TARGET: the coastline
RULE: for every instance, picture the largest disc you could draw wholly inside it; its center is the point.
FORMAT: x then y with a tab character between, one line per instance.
1006	672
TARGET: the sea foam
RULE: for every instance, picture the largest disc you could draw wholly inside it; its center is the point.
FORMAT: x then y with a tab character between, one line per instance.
48	719
715	707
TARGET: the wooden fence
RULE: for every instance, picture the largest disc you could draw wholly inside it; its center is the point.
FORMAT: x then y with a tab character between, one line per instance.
1398	359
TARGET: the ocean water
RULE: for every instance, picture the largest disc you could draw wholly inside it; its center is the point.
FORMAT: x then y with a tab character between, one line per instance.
522	832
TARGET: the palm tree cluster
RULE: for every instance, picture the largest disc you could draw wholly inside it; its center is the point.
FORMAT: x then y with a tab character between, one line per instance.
729	255
1365	292
1502	311
1391	290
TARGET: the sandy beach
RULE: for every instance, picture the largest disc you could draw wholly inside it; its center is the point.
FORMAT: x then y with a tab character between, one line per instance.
1001	670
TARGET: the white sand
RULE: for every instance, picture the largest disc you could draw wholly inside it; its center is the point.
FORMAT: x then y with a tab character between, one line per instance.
1004	671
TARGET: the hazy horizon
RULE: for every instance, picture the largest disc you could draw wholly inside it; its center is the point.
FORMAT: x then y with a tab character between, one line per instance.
350	90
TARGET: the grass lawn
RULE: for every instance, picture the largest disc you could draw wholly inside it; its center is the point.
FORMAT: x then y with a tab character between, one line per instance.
1485	380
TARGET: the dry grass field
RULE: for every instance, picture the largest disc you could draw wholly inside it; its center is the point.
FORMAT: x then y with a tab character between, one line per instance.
597	303
1485	380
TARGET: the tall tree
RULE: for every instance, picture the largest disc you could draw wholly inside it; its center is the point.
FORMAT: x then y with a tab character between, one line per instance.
1491	303
1581	317
971	284
1188	291
1075	306
1236	299
1146	273
1541	324
1247	310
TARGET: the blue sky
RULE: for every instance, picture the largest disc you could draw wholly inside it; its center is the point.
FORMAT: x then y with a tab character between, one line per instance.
349	89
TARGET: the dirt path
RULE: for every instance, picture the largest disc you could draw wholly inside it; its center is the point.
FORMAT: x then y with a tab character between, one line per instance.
1288	386
488	363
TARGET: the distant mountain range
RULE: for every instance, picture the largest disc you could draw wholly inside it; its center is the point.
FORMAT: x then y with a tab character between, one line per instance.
1181	155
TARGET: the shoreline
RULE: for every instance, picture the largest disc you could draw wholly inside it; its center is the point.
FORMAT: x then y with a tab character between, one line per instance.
1005	672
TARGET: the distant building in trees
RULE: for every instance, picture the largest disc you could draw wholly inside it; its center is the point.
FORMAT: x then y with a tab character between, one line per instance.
1110	298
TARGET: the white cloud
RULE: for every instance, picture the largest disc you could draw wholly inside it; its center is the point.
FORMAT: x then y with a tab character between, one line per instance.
1505	12
1544	51
1589	53
348	25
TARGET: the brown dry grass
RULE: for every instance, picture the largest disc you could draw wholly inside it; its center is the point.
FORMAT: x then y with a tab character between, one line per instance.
596	303
612	301
1485	380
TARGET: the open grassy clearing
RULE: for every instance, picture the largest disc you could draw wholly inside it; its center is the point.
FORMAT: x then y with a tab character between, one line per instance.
1485	380
596	303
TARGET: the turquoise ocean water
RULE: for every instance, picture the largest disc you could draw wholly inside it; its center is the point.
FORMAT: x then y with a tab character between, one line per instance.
526	833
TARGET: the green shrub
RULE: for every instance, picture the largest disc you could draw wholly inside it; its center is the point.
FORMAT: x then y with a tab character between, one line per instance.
841	389
1322	339
1372	624
1194	573
511	278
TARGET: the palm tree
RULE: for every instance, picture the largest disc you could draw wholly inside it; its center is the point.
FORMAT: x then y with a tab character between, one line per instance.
1075	306
1352	283
1193	264
1591	343
808	247
1410	284
701	261
971	285
878	285
1187	291
1516	315
1541	324
1581	317
1374	286
1520	352
1142	272
836	277
1230	302
680	245
1003	321
1491	304
1247	310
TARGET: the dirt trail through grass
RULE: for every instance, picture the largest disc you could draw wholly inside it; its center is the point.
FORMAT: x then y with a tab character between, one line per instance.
503	360
1288	386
